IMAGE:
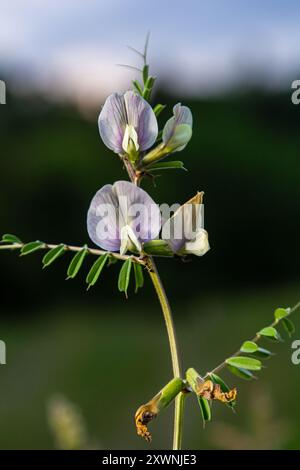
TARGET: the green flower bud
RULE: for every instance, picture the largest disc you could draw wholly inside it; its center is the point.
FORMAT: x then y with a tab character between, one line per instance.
178	129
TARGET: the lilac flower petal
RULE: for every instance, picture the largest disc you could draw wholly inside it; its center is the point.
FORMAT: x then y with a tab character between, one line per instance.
184	225
183	114
141	213
102	224
122	205
141	116
112	122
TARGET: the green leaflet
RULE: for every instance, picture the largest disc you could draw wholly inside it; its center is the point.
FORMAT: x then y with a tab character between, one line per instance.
76	263
270	332
167	166
145	73
158	109
280	313
249	347
262	353
242	362
96	270
31	247
124	276
139	276
136	84
241	373
53	254
9	238
289	326
205	409
148	87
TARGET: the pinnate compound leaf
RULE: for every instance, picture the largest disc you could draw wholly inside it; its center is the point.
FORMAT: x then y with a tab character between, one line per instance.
124	276
31	247
53	254
76	263
96	270
243	362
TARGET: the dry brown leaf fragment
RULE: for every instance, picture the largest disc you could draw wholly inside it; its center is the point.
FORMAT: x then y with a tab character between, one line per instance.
212	391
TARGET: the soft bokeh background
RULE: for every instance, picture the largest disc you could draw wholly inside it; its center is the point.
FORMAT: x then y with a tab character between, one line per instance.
233	62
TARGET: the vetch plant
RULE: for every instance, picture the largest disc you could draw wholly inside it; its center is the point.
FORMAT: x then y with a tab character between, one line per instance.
129	227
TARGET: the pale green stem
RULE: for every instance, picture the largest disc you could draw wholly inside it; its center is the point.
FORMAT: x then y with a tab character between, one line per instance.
166	309
178	420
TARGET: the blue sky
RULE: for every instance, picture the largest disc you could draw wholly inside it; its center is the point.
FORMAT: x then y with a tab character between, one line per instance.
71	47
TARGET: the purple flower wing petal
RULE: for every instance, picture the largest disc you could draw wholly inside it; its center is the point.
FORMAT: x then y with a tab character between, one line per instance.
112	122
102	221
172	232
138	210
184	224
141	116
183	115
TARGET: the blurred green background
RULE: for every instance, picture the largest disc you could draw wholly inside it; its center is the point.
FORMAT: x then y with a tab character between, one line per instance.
108	355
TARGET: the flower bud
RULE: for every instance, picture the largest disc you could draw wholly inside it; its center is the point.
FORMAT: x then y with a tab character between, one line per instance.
176	134
178	129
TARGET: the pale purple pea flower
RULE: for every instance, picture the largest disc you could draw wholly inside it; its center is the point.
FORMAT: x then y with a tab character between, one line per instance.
122	216
127	119
184	231
178	129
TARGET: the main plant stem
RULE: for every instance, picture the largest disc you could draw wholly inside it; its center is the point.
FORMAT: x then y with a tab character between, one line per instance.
166	309
135	178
